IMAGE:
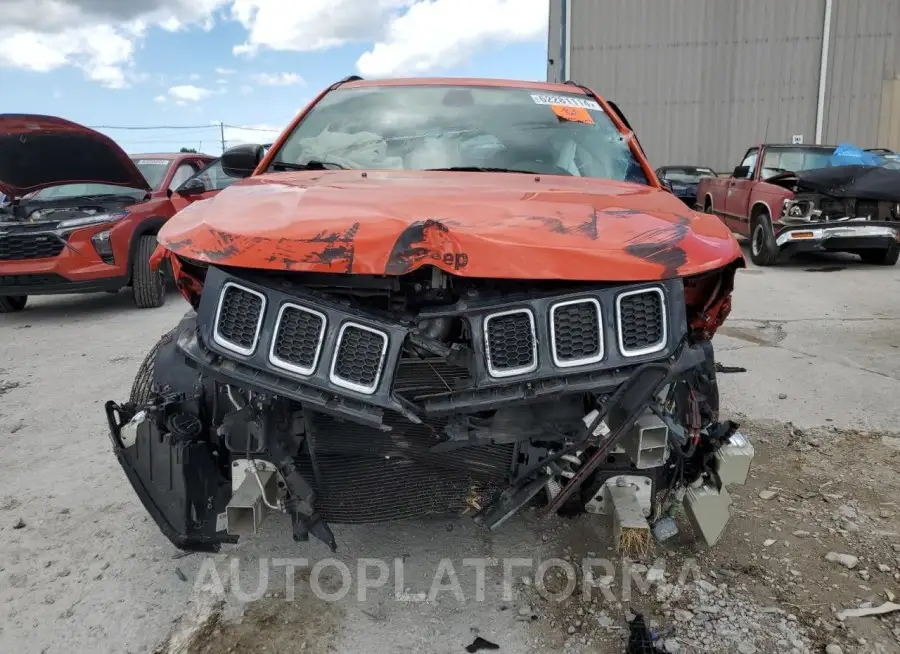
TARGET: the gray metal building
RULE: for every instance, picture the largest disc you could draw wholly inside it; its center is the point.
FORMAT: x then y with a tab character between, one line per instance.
703	80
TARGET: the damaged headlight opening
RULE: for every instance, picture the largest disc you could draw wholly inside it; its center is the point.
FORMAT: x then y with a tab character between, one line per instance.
799	211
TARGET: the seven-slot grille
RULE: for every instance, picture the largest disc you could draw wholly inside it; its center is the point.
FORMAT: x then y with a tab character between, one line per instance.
16	247
576	332
510	343
359	358
641	321
510	337
299	333
239	318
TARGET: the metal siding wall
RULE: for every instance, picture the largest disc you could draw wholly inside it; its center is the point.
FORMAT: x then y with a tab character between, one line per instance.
702	80
554	72
865	51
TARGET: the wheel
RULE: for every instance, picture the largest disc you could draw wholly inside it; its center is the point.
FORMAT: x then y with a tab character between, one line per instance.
763	250
147	287
886	257
12	303
143	380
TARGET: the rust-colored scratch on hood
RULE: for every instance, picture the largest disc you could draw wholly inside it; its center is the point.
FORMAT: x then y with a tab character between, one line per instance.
493	225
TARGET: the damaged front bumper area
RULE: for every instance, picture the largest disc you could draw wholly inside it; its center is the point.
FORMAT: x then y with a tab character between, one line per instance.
270	399
811	221
849	235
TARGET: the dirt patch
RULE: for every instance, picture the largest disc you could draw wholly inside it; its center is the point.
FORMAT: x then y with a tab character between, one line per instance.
274	624
766	587
766	333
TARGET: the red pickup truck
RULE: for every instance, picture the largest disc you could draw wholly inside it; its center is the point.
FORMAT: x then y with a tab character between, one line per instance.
789	198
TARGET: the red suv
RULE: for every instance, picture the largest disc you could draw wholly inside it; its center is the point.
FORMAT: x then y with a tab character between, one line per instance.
81	215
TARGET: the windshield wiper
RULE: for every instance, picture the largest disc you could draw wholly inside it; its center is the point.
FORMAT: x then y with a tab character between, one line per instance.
481	169
312	164
67	199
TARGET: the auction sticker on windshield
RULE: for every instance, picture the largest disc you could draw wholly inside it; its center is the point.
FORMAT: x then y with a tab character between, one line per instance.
566	101
158	162
573	114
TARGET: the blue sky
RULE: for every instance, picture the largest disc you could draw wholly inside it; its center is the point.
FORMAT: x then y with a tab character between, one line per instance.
247	63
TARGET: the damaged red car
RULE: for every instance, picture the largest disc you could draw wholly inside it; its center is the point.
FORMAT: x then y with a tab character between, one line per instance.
81	215
438	297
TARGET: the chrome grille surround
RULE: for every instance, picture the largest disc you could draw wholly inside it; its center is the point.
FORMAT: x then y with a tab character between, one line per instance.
659	344
337	380
277	361
489	359
554	337
221	339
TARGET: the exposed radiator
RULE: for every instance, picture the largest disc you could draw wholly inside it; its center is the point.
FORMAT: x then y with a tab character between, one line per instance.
367	475
361	490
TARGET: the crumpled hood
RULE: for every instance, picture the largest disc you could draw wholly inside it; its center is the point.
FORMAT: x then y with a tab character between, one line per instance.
41	151
860	182
493	225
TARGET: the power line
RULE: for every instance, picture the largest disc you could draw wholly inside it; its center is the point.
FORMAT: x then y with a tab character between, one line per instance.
254	129
147	127
213	126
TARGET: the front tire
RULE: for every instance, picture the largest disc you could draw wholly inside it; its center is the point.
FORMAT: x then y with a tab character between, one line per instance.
143	380
12	303
763	249
147	286
886	257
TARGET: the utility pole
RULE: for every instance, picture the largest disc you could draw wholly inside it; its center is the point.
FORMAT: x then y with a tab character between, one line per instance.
222	133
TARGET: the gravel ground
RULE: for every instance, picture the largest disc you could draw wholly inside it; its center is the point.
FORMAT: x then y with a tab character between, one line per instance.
83	569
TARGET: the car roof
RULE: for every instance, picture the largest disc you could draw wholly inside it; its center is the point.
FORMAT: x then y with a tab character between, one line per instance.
468	81
169	155
808	146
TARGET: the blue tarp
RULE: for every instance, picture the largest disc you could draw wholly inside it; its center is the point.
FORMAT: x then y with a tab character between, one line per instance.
850	155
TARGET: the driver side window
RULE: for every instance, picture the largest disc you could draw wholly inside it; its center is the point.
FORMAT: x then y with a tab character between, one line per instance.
181	175
213	177
749	163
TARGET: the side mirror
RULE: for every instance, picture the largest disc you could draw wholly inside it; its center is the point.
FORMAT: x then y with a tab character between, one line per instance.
741	172
192	187
667	185
241	160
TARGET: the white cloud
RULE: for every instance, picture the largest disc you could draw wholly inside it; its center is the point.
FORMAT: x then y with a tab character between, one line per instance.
278	79
408	36
99	51
97	36
188	93
160	99
402	36
311	25
440	34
